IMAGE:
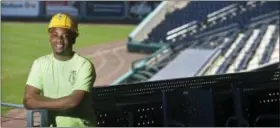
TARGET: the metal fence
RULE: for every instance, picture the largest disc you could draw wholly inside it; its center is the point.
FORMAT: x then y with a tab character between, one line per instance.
241	99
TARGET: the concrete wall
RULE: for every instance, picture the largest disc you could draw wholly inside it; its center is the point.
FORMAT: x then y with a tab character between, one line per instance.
154	18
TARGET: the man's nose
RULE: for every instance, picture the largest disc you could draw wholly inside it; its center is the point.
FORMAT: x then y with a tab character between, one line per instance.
60	39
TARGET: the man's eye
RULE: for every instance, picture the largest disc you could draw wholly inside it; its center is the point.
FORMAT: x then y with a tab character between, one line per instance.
54	35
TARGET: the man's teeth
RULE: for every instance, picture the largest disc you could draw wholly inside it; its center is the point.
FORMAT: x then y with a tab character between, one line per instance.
59	46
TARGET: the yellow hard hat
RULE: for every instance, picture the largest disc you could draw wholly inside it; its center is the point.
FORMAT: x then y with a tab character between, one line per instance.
64	20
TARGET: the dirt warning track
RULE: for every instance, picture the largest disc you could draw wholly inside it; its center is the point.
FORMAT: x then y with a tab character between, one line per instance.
111	60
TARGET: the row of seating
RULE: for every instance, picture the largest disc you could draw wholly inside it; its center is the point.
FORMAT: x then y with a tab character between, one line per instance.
194	11
275	55
233	52
241	16
240	37
227	47
201	41
260	44
228	43
254	62
237	53
250	53
243	52
270	48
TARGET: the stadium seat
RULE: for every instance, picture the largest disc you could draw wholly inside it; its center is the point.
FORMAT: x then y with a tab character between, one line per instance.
269	49
186	15
240	32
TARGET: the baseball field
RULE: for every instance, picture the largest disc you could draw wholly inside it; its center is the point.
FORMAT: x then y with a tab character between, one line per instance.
24	42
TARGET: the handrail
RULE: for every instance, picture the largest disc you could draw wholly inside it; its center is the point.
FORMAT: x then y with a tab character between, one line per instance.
181	27
12	105
218	12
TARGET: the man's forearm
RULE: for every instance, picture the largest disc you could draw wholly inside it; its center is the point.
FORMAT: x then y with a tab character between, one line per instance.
59	104
35	101
42	102
42	98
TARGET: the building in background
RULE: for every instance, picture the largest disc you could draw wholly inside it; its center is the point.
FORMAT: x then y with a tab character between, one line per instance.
53	7
140	9
120	11
20	8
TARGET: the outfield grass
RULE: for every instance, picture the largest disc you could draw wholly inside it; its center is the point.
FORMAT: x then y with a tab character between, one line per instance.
22	43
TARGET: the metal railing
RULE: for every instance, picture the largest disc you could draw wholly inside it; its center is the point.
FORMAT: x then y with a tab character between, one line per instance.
30	114
186	102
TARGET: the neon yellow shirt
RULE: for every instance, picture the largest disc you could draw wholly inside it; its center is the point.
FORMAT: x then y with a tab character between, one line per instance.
58	79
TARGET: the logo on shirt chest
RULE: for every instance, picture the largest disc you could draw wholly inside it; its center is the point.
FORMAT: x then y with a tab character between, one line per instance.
72	77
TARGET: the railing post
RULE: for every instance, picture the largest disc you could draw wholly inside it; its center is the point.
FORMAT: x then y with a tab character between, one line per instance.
164	109
238	107
30	114
30	118
43	117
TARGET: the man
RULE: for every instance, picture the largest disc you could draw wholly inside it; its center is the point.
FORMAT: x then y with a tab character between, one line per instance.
61	82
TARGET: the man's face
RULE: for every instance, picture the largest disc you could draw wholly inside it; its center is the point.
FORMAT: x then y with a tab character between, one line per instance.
61	41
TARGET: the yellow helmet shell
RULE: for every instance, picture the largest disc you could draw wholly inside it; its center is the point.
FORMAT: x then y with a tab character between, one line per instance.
64	20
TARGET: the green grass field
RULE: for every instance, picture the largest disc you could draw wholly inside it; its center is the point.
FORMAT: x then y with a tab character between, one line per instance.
22	43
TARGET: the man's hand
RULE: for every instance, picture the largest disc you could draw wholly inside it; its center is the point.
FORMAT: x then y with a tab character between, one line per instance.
30	102
32	98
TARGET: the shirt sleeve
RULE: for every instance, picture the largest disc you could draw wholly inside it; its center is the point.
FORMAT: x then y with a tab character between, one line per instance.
34	78
85	77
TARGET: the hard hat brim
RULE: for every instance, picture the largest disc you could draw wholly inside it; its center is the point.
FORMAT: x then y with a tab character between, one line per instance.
58	26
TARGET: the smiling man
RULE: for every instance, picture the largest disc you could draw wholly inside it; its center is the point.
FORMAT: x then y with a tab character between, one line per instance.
61	82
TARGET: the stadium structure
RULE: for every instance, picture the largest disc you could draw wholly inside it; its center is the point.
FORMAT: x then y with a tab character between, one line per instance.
200	38
212	64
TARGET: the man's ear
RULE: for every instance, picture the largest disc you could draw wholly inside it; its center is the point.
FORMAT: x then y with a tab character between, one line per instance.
73	38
